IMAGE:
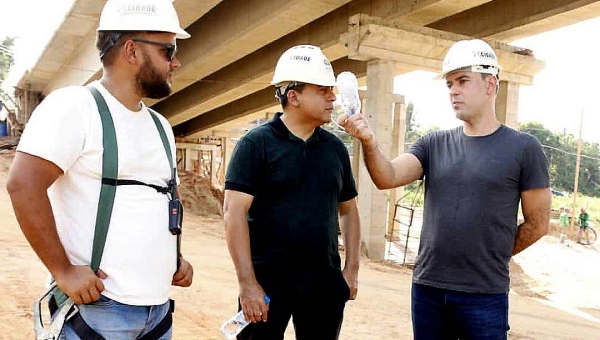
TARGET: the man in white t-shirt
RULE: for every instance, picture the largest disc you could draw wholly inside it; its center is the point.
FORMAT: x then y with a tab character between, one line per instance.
55	179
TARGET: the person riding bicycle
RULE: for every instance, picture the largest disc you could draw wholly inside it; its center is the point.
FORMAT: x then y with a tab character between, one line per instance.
584	217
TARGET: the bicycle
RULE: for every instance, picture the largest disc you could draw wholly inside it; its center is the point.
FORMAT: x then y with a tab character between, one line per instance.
587	236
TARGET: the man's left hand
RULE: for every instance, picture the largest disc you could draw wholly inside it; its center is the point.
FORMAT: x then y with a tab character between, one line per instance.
351	277
184	275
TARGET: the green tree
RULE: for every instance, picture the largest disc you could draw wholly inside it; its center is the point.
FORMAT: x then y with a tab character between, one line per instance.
561	151
412	133
6	58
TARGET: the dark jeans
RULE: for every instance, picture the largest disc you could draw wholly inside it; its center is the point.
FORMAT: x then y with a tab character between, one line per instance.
449	315
317	311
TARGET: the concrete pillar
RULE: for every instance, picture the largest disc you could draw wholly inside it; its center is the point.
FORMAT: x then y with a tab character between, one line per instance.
507	104
373	202
356	161
180	155
226	150
398	137
188	158
213	168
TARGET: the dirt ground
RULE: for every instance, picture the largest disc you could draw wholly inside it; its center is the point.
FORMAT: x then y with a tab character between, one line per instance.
555	288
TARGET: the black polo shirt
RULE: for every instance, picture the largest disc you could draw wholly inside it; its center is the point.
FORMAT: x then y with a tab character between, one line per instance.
297	186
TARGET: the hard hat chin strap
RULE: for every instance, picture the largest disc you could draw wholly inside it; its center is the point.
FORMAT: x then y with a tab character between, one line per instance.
114	37
488	69
282	90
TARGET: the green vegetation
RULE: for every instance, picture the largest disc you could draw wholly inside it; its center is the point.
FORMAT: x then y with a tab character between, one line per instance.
6	58
592	205
561	151
413	194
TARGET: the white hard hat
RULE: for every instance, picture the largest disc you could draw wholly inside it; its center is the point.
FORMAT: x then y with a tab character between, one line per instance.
474	53
304	64
141	15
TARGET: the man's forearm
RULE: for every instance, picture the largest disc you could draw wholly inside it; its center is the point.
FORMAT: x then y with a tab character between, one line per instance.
350	225
238	242
528	234
379	166
536	215
34	214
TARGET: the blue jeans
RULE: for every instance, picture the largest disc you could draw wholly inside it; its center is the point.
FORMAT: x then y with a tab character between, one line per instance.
117	321
450	315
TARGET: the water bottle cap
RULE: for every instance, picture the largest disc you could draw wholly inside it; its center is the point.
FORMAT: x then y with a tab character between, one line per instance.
347	80
267	300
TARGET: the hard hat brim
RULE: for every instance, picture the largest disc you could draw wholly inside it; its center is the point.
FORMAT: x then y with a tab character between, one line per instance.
181	34
471	68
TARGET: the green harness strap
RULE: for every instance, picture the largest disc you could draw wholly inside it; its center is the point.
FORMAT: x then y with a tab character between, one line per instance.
110	163
175	193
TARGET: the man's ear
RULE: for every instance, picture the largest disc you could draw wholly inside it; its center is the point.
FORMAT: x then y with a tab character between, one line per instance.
491	85
129	51
292	97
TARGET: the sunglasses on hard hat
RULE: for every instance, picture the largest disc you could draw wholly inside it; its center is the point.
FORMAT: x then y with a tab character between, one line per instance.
170	49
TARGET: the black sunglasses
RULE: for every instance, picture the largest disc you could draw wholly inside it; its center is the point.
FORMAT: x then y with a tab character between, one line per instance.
170	49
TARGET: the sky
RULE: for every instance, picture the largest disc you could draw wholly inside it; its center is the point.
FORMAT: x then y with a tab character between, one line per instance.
559	95
32	23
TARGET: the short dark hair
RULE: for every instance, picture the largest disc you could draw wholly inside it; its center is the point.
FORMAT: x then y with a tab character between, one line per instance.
484	75
108	42
281	92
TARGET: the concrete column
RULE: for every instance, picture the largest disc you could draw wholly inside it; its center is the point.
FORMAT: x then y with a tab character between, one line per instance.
180	155
356	161
398	137
187	154
213	168
373	202
226	150
507	104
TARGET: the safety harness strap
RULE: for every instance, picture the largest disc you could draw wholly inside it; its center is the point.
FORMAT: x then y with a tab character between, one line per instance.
117	182
173	183
81	328
85	332
105	206
59	300
163	326
163	136
107	192
110	163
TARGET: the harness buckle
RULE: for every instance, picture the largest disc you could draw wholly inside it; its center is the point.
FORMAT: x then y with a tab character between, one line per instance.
64	313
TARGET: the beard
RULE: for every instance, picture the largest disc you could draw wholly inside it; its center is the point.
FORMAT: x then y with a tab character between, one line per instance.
150	83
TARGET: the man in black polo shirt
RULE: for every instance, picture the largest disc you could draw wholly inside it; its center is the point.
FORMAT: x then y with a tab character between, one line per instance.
287	184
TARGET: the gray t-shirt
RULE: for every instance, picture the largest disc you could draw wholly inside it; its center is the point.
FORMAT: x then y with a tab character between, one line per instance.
472	194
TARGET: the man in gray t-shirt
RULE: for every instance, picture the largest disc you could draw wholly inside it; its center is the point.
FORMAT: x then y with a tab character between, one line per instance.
475	176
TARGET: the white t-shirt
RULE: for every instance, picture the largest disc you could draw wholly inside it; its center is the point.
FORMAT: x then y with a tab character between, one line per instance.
140	253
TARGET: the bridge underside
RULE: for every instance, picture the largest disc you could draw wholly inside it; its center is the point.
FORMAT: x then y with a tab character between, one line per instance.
223	85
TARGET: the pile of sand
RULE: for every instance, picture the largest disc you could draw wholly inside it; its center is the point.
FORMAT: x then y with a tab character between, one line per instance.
199	196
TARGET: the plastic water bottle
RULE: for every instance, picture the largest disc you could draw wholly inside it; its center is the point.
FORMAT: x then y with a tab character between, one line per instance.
347	85
232	327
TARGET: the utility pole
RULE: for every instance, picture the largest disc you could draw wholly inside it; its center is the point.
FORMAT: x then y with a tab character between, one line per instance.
577	165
